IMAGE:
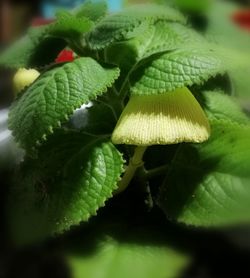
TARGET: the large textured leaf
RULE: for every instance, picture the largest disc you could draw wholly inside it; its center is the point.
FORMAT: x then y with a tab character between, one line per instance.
123	25
121	250
73	176
171	70
208	184
54	96
160	37
152	39
32	50
169	36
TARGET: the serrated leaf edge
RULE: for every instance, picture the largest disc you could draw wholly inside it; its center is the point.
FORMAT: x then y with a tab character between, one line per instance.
51	128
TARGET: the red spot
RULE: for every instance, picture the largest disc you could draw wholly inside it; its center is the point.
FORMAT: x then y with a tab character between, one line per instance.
65	56
38	21
242	18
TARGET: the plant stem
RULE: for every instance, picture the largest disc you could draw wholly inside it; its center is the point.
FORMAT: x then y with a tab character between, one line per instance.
134	163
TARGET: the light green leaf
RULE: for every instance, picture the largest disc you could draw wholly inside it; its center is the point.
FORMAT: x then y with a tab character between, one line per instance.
54	96
70	27
72	177
220	106
176	69
208	184
120	250
124	24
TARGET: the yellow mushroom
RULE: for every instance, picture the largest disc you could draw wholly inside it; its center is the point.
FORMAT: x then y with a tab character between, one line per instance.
169	118
164	119
23	78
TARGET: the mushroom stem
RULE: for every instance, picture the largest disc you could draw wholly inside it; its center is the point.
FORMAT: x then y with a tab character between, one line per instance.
134	163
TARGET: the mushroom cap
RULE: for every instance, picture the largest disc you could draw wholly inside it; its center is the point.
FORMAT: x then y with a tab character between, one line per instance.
23	78
163	119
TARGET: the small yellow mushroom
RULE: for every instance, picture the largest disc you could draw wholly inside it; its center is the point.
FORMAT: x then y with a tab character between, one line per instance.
23	78
164	119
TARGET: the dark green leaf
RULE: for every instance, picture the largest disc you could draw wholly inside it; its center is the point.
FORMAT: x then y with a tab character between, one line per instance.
54	96
72	177
32	50
208	184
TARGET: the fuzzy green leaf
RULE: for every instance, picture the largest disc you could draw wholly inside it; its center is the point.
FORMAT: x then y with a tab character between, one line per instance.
176	69
54	96
169	36
220	106
160	37
208	184
124	24
72	177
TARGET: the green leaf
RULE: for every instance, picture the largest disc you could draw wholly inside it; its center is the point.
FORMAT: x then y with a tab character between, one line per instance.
124	25
151	39
120	250
176	69
54	96
32	50
93	11
169	36
208	184
220	106
72	177
160	37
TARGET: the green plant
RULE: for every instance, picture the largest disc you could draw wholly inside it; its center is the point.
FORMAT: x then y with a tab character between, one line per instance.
71	167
